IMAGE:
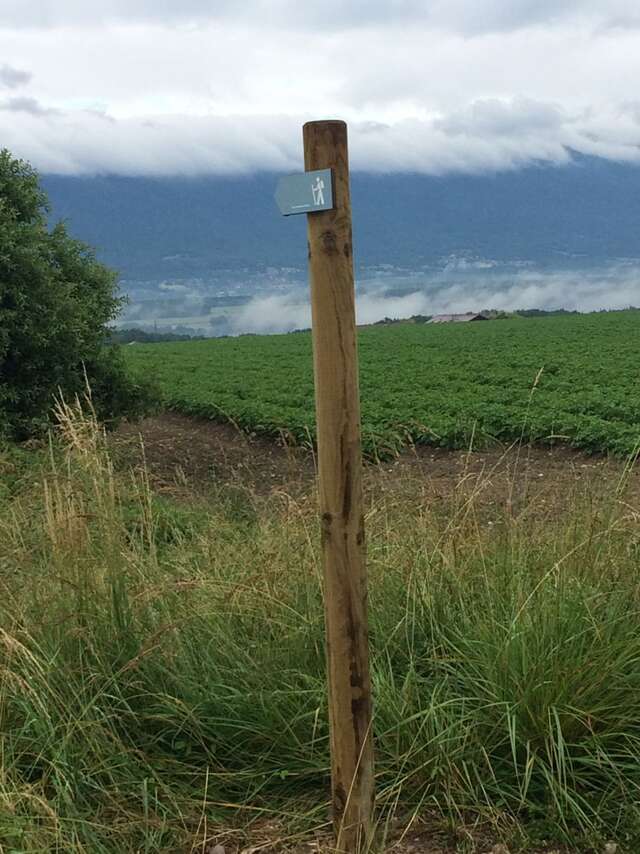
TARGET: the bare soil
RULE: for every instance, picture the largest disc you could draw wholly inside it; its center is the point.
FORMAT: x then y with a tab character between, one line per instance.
186	455
417	839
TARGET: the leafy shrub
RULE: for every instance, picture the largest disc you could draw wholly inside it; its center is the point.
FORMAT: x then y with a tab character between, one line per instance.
56	300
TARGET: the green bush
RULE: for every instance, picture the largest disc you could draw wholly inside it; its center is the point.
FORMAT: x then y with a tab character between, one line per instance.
56	300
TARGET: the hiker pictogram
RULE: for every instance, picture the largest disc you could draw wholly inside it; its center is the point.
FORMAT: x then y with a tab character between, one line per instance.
318	191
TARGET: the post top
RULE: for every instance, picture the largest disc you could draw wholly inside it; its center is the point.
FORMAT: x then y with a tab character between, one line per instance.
315	122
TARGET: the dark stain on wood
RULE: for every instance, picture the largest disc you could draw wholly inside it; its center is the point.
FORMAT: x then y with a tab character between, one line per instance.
359	706
346	499
355	679
339	801
329	242
326	521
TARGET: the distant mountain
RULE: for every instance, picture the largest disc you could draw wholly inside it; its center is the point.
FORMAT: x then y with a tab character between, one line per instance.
579	215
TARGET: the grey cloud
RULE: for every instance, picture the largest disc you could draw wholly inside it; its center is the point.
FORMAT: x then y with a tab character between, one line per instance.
47	14
26	105
12	78
465	16
493	117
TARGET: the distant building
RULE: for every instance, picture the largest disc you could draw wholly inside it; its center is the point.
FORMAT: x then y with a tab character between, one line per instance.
457	318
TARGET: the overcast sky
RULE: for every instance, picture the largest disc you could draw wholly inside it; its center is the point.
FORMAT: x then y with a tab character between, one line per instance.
192	86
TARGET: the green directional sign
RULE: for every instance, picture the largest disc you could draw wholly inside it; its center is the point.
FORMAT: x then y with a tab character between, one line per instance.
305	193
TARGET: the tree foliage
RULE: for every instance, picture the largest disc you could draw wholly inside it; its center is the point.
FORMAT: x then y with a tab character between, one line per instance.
56	300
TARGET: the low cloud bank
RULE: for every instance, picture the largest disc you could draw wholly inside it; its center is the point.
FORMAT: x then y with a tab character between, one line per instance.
614	287
488	135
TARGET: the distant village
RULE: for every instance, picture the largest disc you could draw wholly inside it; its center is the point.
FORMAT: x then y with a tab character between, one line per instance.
139	335
471	316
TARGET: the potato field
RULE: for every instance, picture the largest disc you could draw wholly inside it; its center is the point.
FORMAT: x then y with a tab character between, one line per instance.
573	379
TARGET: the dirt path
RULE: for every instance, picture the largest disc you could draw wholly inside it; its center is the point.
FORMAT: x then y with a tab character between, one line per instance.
192	455
198	454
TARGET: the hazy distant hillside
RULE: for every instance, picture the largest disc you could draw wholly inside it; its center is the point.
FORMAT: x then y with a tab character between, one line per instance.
579	215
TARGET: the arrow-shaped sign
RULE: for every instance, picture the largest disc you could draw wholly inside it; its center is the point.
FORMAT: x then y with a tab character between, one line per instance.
305	193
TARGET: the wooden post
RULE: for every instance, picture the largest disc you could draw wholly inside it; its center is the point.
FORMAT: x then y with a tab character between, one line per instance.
340	490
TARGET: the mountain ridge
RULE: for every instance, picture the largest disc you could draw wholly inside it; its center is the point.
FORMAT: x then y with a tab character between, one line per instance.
580	214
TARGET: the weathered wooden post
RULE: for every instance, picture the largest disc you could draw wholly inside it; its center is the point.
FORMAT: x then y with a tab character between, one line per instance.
322	192
340	488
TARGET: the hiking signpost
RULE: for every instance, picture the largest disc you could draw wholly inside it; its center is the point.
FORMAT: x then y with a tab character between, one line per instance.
322	192
305	193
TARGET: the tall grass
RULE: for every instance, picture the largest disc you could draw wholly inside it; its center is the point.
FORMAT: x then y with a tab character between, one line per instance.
162	663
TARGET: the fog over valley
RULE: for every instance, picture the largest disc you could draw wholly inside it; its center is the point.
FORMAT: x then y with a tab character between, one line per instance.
279	302
614	287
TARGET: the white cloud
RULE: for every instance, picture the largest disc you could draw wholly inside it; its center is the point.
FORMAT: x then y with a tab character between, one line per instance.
489	135
273	313
156	86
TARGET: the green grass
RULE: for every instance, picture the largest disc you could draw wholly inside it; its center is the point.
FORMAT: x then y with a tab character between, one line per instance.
558	379
162	664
